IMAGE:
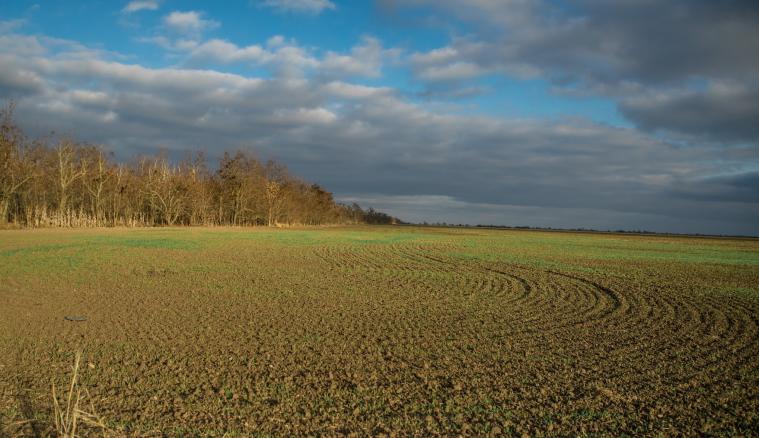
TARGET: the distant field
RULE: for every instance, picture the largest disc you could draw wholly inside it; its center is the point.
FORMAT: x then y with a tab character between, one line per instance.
379	330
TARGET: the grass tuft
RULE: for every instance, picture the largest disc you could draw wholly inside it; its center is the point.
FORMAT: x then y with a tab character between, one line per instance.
69	415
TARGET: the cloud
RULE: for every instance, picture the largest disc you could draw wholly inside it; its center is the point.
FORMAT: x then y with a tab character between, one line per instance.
172	45
15	83
615	50
9	26
345	90
653	41
738	187
190	22
722	112
371	143
454	71
467	59
140	5
286	57
438	209
364	60
303	6
218	50
14	44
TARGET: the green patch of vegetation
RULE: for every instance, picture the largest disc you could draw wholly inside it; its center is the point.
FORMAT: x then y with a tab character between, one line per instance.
744	292
680	254
144	241
317	236
42	259
37	249
544	249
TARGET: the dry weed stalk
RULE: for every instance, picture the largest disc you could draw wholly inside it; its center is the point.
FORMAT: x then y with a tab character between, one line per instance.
71	417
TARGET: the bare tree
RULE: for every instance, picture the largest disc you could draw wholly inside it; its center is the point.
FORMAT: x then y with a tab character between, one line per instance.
74	184
274	201
200	194
165	190
69	170
13	172
241	186
98	175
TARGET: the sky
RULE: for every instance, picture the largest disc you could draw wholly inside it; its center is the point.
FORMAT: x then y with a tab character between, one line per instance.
631	114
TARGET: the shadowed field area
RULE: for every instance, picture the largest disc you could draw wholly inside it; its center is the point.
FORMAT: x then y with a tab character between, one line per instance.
380	330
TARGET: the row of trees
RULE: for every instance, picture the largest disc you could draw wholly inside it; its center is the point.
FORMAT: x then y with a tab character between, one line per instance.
67	183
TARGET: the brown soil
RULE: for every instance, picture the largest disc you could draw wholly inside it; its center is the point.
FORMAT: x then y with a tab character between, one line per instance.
247	337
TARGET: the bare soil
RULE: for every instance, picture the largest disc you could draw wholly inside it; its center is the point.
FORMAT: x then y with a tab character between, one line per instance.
382	331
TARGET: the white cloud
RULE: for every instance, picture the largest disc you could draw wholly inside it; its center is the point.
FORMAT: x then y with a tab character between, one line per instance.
174	45
304	116
467	59
21	44
364	60
306	6
226	52
287	58
436	56
454	71
345	90
140	5
275	41
8	26
190	22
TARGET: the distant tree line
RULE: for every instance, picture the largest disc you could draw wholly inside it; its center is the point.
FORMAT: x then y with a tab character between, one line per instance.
66	183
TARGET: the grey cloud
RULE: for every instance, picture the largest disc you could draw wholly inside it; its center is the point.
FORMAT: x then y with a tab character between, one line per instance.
671	40
721	113
15	83
616	49
455	91
455	211
360	140
641	40
742	187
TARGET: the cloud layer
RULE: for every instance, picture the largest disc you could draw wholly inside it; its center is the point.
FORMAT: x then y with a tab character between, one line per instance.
689	165
684	49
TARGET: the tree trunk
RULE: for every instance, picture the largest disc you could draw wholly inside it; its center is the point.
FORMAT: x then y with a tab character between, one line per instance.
4	211
63	203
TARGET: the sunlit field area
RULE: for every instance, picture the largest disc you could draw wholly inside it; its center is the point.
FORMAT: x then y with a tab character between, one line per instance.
380	330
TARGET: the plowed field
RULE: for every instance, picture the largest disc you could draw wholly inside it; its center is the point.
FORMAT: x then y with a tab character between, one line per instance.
409	331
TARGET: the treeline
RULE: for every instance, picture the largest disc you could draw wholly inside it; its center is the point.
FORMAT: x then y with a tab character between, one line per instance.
64	183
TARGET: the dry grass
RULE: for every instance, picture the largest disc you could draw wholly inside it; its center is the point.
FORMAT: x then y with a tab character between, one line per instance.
69	417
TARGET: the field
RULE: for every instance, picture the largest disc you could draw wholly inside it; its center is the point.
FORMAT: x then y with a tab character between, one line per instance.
416	331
